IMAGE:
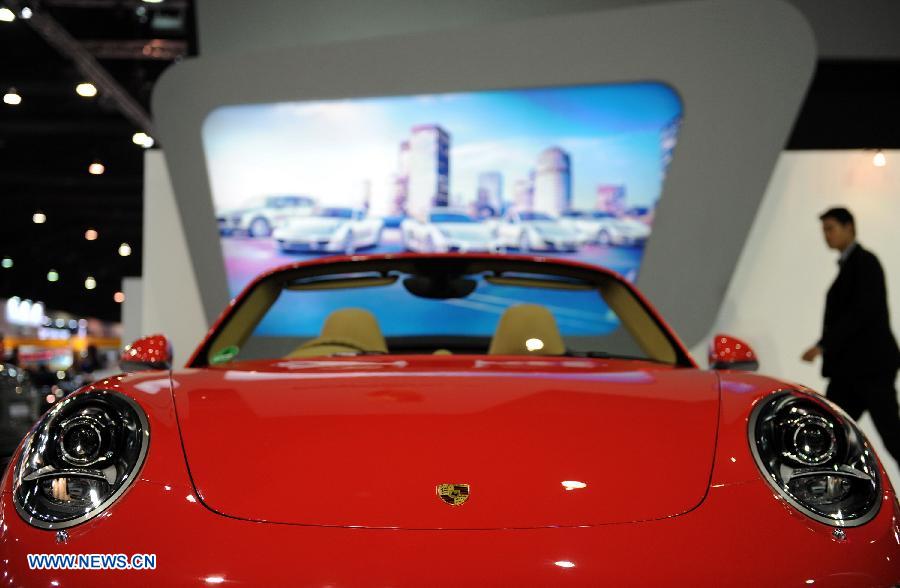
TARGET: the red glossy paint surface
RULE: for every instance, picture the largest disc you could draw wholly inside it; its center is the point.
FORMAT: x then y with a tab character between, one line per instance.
727	349
365	443
672	495
740	536
150	350
741	533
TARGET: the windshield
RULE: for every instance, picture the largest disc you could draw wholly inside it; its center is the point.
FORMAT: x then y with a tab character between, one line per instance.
535	216
337	213
440	305
599	214
448	217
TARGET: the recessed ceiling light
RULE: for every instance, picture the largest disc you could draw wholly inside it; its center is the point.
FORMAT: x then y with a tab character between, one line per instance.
96	168
7	15
39	218
90	283
25	13
6	263
52	276
119	297
86	90
142	139
91	235
12	97
124	249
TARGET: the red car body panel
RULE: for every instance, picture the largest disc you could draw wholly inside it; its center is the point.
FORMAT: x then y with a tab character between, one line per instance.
741	534
369	440
260	474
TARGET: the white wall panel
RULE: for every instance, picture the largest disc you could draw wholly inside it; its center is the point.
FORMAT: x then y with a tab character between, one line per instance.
776	297
170	295
132	309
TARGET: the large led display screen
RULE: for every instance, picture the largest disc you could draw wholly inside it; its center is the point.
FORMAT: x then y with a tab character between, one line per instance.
574	172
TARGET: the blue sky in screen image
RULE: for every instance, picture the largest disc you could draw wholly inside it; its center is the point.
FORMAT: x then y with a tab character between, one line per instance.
340	150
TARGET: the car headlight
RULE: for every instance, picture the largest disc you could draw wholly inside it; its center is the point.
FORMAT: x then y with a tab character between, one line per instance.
816	458
79	459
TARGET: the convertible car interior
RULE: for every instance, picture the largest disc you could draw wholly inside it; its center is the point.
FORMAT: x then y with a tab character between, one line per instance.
450	307
524	329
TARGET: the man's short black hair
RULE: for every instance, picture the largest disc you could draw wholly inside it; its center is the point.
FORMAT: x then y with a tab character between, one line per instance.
840	214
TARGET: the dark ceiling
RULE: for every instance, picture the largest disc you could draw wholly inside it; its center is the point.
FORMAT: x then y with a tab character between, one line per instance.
48	141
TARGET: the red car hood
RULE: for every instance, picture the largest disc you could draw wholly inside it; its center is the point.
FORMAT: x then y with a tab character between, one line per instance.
366	443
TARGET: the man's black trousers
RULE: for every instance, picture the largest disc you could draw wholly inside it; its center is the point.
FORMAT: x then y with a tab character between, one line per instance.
857	394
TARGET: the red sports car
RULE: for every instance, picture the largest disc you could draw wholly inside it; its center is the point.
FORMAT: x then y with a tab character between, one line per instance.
445	420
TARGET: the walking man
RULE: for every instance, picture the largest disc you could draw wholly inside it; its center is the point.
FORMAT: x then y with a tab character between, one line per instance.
859	353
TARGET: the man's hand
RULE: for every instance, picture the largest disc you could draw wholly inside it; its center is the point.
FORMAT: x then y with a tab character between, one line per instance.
812	353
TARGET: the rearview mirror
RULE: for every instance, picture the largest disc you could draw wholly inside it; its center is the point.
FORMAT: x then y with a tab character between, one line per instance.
148	353
730	353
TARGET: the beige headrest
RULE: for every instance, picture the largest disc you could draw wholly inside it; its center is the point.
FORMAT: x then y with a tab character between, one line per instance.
345	331
527	329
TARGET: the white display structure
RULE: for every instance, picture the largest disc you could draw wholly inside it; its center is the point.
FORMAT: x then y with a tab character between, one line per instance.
776	299
741	70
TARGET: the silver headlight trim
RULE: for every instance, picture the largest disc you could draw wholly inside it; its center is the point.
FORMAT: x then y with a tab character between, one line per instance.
112	498
764	403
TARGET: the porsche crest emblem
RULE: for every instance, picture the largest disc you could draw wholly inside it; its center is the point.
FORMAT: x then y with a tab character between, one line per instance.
453	494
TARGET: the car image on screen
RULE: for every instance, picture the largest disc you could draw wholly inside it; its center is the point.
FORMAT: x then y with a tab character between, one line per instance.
538	231
449	230
260	217
332	229
605	228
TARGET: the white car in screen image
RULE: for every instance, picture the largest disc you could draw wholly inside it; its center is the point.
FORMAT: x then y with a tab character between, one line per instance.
606	228
333	230
445	229
538	231
259	219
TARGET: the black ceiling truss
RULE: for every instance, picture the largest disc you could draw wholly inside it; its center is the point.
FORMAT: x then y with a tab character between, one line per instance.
48	141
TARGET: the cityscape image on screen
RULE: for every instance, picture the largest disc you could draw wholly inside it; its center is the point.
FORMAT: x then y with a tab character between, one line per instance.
574	171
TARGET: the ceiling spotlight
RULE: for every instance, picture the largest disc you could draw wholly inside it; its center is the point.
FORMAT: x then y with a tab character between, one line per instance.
52	276
142	139
12	97
6	263
124	249
119	297
7	15
90	283
96	168
39	218
26	13
91	235
153	1
86	90
879	160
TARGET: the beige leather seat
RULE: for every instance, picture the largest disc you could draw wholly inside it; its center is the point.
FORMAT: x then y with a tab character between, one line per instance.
348	330
527	329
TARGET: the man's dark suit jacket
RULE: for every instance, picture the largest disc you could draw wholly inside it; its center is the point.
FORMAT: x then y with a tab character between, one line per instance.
856	337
